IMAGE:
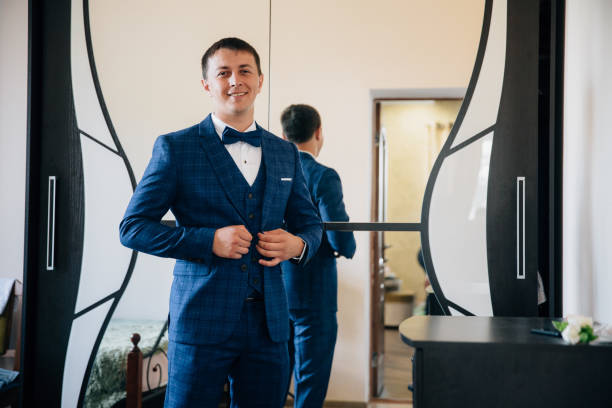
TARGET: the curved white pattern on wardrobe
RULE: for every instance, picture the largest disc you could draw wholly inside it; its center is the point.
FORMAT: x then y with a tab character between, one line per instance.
107	190
107	193
457	211
82	338
484	105
458	228
90	118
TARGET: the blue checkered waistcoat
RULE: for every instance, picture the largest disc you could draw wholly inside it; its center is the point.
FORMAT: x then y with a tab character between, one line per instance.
191	174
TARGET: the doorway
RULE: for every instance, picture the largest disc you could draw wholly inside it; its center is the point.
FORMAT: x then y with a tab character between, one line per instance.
409	134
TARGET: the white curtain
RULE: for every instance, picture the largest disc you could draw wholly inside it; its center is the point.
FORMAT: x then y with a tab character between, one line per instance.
587	167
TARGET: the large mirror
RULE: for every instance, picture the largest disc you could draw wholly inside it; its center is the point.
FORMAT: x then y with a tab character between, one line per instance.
339	57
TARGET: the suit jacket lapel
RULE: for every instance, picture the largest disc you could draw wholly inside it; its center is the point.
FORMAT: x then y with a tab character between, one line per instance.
272	180
221	162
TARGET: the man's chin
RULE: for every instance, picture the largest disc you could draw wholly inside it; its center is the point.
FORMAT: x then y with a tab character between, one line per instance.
239	110
235	111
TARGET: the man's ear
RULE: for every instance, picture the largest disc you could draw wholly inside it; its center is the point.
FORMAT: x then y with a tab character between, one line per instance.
318	133
261	78
205	85
285	136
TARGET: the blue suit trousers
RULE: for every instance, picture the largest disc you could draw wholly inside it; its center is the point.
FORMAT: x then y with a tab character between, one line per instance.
311	352
257	367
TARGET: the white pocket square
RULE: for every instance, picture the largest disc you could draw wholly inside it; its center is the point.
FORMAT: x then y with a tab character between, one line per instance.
286	179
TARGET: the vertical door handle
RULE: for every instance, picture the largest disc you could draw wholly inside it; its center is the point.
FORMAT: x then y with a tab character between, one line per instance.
520	228
51	225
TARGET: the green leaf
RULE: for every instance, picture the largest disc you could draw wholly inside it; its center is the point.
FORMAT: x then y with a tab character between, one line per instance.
586	334
559	325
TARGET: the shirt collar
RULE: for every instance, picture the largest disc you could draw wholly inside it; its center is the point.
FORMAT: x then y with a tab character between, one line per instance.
221	125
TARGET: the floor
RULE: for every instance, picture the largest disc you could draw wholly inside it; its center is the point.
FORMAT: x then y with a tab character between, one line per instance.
398	368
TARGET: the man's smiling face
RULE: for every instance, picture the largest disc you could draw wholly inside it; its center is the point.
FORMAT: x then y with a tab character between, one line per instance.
233	82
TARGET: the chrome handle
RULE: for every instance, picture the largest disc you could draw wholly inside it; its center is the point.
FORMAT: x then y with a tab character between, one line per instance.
51	225
520	228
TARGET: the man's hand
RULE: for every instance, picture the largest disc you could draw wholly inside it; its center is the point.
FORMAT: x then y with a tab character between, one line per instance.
232	242
279	245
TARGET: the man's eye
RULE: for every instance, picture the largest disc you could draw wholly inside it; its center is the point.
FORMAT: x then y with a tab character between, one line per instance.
222	73
245	71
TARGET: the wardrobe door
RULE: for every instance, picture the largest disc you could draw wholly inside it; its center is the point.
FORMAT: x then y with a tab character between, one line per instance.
83	182
480	211
512	196
55	188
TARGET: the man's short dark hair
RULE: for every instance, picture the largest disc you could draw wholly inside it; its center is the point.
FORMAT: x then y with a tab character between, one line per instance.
300	122
231	43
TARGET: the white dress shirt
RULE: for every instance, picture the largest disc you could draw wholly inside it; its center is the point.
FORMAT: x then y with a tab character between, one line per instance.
246	157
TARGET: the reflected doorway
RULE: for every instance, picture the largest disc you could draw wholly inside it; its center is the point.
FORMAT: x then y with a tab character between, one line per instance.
409	134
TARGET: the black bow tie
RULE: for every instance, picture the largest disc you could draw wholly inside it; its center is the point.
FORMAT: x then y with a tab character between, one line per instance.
230	136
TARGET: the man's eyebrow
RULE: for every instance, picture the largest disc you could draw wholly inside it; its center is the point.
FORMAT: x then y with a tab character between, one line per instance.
240	66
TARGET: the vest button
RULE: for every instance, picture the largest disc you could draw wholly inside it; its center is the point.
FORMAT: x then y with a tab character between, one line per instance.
250	195
256	280
251	216
243	267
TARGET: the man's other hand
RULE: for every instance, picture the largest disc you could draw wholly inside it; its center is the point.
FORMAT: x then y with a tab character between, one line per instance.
279	245
232	242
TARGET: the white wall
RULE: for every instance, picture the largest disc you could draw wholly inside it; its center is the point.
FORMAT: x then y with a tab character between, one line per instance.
13	128
587	196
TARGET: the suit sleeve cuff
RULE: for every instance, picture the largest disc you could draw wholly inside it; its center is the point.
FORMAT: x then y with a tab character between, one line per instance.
298	259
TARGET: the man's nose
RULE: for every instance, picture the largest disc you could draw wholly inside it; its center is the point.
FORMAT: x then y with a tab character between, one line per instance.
233	80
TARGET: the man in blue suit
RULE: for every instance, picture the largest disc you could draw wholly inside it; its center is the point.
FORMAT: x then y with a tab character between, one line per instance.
241	206
312	288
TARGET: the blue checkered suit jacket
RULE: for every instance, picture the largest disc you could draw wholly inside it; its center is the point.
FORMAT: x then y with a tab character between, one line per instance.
188	174
314	286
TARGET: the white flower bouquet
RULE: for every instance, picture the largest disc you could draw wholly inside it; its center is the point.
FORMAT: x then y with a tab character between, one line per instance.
576	329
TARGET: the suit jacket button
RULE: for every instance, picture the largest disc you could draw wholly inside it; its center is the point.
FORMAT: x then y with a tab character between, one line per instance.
255	281
250	195
251	216
243	267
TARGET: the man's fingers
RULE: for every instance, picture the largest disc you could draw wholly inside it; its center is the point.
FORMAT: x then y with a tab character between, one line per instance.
243	242
272	246
242	250
243	233
271	236
268	254
272	262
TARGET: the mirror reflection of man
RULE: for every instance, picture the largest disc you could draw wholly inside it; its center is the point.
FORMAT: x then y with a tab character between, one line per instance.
312	288
231	186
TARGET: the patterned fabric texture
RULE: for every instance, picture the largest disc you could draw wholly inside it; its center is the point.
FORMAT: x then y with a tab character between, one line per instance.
311	352
314	285
191	174
258	368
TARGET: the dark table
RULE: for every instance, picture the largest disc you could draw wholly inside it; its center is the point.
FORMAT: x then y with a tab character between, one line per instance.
497	362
